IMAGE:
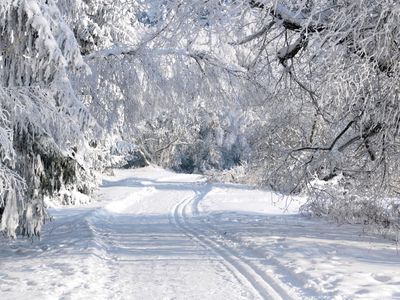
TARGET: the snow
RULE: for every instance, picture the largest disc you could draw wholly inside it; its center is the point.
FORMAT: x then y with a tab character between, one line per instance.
155	234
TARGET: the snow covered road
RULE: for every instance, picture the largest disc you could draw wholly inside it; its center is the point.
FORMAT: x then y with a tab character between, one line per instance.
160	235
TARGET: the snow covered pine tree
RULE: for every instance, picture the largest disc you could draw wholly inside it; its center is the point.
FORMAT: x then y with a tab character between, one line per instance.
43	126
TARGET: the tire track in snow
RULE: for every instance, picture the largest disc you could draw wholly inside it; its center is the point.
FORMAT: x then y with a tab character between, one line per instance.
238	266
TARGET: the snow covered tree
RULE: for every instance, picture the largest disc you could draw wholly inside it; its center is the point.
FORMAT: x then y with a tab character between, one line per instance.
344	57
141	70
336	66
44	127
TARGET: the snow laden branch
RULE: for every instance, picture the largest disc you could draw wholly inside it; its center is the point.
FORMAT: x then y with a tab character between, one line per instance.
255	35
333	22
198	56
364	136
332	145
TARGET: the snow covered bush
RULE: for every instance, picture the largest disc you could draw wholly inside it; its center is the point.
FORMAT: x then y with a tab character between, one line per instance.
127	155
199	141
335	199
236	174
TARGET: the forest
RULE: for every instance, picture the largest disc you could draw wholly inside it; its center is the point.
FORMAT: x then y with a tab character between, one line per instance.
296	96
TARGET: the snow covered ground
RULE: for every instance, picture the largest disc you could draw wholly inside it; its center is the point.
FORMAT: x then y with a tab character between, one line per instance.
160	235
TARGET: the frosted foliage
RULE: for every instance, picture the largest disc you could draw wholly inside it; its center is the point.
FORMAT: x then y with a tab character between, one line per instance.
45	44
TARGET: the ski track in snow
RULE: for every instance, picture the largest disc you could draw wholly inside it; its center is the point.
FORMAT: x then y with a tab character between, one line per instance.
264	286
160	235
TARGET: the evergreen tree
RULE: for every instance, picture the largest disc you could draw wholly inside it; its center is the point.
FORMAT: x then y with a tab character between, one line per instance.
43	124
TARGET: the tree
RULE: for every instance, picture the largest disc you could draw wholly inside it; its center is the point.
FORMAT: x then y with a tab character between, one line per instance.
344	57
43	125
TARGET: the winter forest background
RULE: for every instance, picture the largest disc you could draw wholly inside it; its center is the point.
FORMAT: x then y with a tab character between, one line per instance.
299	96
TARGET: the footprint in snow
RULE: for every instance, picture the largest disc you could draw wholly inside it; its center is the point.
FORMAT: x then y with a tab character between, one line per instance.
382	278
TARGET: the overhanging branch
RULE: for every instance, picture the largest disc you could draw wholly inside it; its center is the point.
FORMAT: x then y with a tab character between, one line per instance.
328	148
